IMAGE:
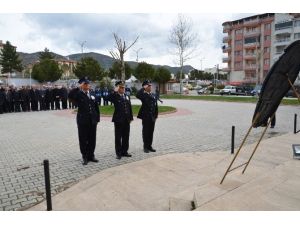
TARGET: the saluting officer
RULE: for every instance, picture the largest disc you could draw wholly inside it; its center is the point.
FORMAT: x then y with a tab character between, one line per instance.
88	116
122	118
148	113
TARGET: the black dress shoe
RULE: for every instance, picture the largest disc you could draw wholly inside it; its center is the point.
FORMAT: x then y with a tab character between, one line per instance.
127	155
152	150
118	157
85	162
94	160
146	150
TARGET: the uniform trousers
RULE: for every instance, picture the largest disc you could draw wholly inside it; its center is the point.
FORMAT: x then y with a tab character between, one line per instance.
148	129
122	130
87	139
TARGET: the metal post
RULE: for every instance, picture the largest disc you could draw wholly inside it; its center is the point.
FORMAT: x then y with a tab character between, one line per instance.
232	139
47	185
295	124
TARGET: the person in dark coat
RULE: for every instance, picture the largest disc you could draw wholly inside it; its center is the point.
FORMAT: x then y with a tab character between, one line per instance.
64	97
88	116
57	97
25	100
9	99
42	98
34	97
2	100
122	118
17	99
98	95
105	93
148	113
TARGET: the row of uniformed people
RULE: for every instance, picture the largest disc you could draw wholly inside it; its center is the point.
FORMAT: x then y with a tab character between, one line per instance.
88	116
35	98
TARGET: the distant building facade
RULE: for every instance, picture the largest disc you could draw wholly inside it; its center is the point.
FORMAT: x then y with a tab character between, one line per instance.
253	44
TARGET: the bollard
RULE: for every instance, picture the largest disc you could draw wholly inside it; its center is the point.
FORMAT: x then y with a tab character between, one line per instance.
47	185
295	124
232	139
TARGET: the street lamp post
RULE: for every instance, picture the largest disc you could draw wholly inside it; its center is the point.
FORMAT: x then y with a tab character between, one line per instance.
137	54
201	61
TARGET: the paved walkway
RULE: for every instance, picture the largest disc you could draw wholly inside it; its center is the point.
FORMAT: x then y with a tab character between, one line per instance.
166	182
29	138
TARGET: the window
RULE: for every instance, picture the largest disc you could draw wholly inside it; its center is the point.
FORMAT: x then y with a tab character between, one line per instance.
250	40
297	35
284	25
297	23
266	50
267	38
267	61
268	26
238	42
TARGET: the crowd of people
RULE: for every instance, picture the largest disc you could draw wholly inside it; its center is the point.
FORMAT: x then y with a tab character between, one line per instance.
42	97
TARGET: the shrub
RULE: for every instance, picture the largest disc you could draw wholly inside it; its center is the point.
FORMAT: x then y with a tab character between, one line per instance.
220	86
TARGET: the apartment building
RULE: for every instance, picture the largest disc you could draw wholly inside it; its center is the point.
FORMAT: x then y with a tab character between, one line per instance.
253	44
247	45
286	30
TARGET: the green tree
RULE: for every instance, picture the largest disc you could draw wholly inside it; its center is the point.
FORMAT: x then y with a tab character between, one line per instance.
116	73
46	70
89	67
46	54
9	59
162	75
144	71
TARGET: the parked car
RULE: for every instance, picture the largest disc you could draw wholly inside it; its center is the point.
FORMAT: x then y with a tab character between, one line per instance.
228	90
244	90
202	91
256	90
198	87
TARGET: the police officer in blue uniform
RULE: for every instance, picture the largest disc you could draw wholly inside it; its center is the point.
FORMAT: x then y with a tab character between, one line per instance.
88	116
122	118
148	113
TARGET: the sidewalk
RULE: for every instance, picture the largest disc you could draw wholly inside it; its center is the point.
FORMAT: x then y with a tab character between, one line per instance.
189	181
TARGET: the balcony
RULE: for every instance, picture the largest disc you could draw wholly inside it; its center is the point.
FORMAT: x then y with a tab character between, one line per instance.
250	56
226	49
284	41
225	59
226	39
252	33
251	67
226	28
252	45
252	22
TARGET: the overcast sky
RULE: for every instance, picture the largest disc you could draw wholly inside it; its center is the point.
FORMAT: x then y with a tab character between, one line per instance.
63	33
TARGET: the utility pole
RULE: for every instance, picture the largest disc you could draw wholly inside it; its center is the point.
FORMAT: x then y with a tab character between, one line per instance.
137	54
217	66
82	44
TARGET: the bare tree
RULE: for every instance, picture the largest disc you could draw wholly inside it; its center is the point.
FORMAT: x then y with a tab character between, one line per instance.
183	37
119	56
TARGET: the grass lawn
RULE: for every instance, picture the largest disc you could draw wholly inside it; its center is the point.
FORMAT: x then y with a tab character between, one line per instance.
247	99
109	109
